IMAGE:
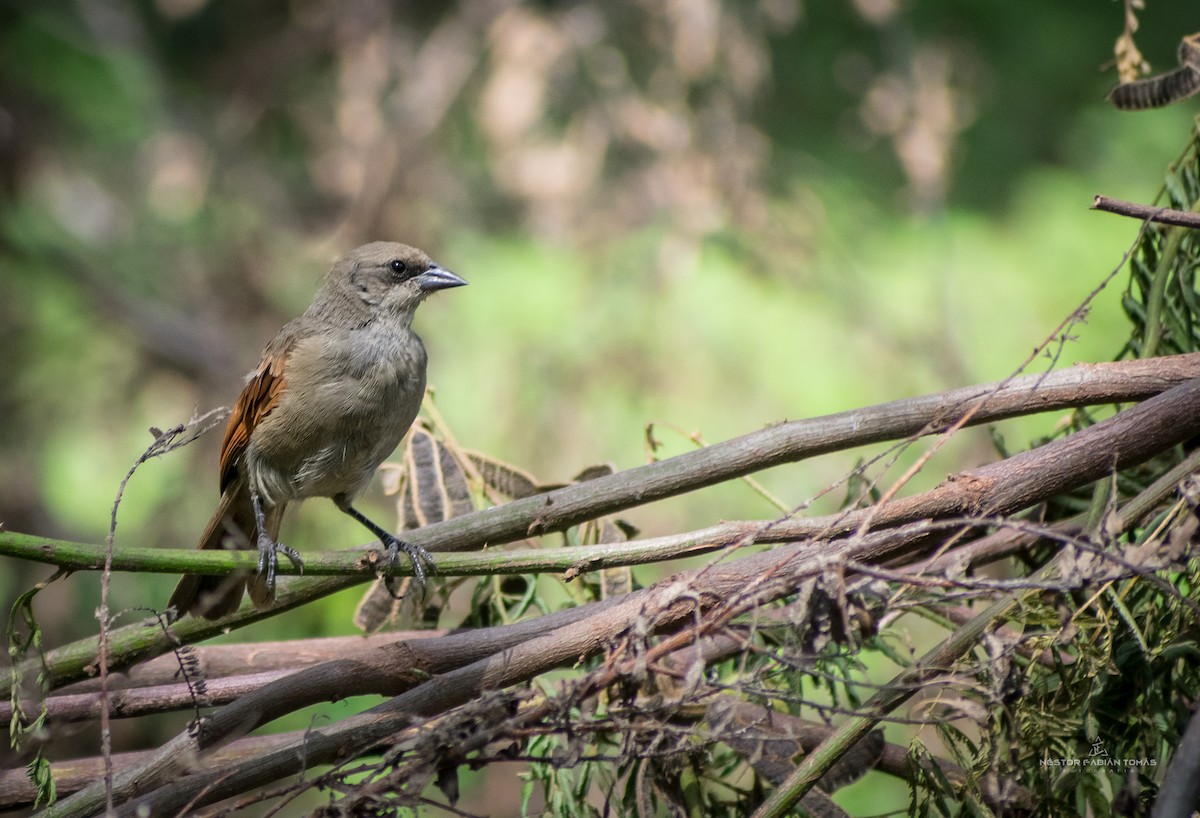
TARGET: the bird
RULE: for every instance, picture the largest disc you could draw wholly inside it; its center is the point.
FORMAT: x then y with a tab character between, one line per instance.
332	396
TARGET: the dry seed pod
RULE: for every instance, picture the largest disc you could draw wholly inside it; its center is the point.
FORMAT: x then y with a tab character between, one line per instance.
614	581
1163	89
503	478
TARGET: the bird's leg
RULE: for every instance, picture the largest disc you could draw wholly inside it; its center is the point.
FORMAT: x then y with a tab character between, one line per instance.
422	561
267	547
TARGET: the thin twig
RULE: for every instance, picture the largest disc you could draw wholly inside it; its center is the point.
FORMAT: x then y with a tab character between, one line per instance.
164	442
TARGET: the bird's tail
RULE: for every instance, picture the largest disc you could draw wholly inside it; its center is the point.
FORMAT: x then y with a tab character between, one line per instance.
232	526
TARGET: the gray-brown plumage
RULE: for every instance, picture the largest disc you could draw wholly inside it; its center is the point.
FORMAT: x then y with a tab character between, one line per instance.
332	397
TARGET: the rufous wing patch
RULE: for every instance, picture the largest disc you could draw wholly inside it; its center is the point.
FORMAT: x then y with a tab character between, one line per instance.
259	397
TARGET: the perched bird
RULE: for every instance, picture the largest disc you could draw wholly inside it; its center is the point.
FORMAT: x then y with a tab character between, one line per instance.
332	397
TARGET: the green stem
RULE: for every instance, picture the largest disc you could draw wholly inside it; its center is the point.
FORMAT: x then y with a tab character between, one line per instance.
362	564
1156	298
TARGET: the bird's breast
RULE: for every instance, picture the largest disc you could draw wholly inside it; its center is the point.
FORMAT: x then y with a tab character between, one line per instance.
346	404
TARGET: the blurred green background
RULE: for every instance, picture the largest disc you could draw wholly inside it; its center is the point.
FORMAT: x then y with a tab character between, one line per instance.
709	215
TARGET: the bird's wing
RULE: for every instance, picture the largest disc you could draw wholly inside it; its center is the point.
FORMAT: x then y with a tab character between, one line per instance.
259	397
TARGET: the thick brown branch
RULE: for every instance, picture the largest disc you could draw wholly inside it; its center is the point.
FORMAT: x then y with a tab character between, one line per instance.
1082	385
1124	440
124	704
217	661
16	790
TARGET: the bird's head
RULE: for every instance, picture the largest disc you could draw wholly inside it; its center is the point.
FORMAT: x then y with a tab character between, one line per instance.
390	278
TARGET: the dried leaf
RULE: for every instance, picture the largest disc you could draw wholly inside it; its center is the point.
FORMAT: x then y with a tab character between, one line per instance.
1130	62
376	608
1157	91
392	477
454	484
1160	90
406	509
447	782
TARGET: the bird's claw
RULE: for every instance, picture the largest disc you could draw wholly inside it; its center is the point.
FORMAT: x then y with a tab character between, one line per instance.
268	559
421	560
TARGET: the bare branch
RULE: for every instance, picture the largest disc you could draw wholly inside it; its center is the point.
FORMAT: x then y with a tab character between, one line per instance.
1162	215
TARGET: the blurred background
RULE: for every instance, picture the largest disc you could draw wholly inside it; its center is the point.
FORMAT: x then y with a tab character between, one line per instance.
706	214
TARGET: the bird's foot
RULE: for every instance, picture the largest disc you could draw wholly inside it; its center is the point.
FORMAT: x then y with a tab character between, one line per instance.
268	559
422	560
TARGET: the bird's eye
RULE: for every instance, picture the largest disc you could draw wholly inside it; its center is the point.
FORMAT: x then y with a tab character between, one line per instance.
398	266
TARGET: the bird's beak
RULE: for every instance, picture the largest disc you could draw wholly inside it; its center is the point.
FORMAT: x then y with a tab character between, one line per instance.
436	278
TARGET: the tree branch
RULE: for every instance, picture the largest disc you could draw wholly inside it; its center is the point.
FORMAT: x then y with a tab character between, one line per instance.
359	564
216	661
16	790
1081	385
1162	215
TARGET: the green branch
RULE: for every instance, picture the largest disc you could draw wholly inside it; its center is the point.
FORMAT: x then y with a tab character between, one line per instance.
365	563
